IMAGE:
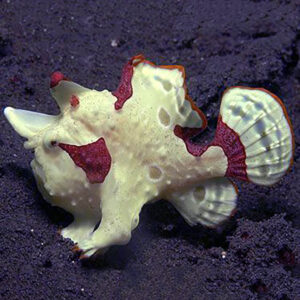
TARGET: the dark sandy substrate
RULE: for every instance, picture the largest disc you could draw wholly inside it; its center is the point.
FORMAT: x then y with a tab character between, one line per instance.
221	44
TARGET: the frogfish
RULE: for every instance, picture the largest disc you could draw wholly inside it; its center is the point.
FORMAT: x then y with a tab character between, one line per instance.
107	154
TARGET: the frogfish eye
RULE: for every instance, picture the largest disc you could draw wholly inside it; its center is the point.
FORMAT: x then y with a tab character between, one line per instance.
49	144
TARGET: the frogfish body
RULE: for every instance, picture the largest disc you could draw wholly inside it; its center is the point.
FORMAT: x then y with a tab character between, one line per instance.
108	153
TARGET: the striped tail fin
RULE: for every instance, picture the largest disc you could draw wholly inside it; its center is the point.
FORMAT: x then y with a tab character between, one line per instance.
256	135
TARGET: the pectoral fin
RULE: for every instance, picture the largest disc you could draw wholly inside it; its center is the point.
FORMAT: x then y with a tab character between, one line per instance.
121	204
209	203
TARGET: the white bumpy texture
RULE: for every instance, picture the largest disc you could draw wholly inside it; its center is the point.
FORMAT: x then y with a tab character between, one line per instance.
260	120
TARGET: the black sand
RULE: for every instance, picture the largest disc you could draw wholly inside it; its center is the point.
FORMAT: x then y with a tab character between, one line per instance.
221	44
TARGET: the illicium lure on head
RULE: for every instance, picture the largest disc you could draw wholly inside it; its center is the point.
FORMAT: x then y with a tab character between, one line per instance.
109	153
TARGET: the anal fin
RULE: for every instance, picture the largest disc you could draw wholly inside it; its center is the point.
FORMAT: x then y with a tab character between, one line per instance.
209	203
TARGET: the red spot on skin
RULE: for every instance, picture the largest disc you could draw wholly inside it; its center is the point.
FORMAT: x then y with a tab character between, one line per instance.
124	90
74	101
93	158
56	78
227	139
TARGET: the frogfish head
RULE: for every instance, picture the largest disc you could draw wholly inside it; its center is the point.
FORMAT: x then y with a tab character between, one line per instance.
58	178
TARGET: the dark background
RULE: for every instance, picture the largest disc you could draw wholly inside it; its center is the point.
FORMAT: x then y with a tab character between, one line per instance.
221	44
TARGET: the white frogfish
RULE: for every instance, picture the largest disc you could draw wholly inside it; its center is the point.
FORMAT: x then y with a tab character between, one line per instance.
109	153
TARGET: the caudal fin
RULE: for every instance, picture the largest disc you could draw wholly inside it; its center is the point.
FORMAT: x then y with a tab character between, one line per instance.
256	135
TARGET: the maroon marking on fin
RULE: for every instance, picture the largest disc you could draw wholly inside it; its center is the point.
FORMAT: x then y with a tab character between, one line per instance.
56	78
186	133
227	139
124	90
74	101
233	148
93	158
